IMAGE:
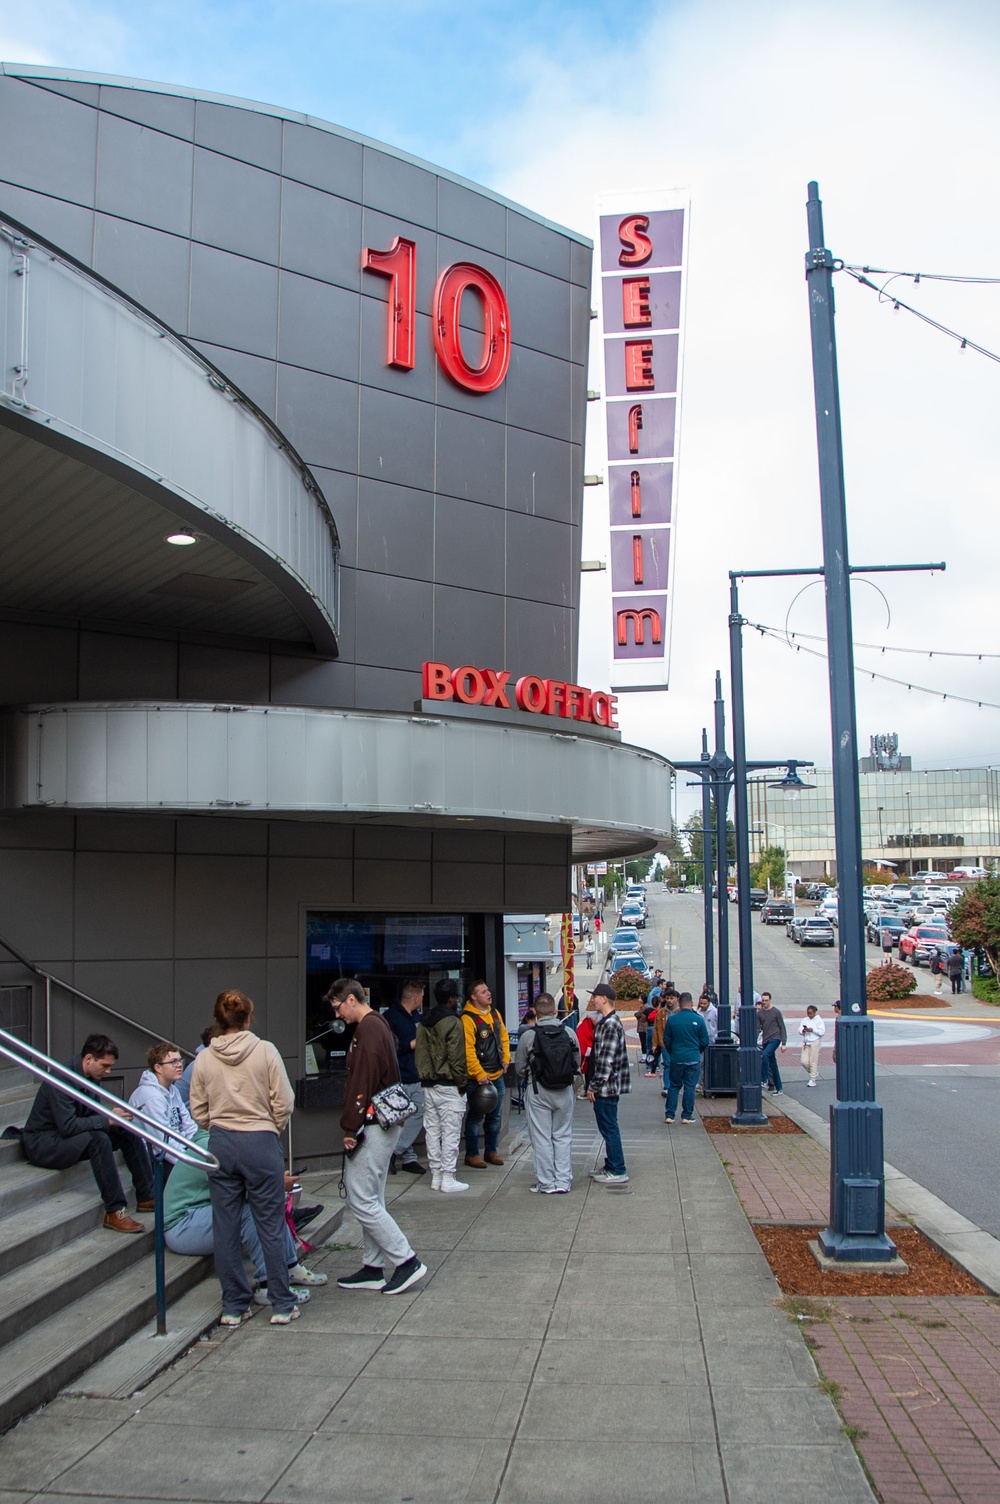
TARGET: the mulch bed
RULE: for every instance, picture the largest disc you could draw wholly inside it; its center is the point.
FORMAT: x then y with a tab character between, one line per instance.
915	1000
798	1273
716	1124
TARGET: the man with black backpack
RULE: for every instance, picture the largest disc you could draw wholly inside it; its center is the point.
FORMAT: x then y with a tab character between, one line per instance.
548	1057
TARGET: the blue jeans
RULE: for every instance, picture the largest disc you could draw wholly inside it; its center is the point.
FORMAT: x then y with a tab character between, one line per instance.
769	1071
192	1235
491	1124
606	1114
666	1069
683	1073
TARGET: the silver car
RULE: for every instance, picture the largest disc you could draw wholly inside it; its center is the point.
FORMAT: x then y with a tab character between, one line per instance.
811	930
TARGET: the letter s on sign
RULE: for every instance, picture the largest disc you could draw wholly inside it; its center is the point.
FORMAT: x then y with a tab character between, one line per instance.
453	282
637	245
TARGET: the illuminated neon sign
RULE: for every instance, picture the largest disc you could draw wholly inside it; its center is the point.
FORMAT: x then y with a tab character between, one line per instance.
492	687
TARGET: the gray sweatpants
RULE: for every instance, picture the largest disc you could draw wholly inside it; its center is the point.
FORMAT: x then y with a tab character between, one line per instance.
550	1128
365	1174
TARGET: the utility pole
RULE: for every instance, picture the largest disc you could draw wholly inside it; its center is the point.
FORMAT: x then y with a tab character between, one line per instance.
857	1169
721	769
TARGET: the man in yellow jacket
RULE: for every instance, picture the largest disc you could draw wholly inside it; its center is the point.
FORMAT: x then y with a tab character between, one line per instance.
487	1053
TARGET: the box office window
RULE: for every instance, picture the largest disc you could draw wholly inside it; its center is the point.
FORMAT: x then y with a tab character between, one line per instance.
382	951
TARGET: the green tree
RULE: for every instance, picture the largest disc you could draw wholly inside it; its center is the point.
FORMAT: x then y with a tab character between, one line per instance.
877	876
694	840
770	870
975	919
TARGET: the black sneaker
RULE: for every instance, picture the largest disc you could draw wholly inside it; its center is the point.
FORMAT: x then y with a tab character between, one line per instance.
406	1275
368	1277
413	1167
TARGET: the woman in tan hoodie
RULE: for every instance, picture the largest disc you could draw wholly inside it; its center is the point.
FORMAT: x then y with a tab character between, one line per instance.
241	1093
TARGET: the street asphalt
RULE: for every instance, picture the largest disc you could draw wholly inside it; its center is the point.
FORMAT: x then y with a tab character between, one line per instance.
939	1093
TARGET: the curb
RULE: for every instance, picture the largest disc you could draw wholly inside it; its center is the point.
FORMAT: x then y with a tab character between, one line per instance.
975	1251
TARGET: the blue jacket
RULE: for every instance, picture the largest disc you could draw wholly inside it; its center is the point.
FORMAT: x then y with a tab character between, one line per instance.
685	1036
404	1032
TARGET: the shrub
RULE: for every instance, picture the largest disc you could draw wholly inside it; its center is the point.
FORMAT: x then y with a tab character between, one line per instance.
631	984
891	981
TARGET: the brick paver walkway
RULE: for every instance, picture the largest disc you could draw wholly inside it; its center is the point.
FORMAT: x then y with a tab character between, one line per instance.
921	1381
919	1378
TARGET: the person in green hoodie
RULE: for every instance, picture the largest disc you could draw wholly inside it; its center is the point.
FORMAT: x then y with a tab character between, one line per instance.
187	1224
444	1074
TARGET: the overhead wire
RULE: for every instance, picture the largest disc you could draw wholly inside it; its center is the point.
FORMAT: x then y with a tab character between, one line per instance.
939	694
884	271
888	647
964	342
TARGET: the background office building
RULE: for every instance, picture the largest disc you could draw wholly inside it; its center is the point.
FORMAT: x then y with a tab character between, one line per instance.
915	820
284	416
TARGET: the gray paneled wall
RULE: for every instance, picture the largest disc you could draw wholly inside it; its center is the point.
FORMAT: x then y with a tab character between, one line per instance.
156	916
459	514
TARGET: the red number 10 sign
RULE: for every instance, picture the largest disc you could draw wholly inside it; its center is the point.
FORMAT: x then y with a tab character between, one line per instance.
399	265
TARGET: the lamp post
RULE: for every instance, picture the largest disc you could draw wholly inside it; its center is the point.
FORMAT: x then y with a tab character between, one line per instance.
909	827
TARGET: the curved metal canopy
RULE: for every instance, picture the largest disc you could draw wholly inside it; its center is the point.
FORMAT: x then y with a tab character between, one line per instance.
113	433
613	799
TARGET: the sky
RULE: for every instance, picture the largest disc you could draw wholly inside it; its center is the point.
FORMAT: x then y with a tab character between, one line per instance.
892	106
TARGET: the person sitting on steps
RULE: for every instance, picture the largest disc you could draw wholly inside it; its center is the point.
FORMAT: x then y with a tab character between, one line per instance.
61	1131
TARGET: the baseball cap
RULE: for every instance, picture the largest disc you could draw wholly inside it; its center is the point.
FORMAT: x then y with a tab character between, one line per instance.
603	990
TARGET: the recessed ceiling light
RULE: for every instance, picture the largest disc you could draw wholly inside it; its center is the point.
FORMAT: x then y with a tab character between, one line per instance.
182	539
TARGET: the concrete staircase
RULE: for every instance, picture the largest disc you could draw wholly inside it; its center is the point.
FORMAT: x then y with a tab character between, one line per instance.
70	1292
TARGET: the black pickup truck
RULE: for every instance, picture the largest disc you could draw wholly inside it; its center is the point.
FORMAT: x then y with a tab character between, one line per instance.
777	911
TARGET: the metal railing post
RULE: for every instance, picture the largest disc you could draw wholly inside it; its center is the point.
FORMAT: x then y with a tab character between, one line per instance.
161	1247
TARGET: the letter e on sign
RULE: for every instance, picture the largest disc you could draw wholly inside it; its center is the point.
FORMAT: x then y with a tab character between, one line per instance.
639	364
453	282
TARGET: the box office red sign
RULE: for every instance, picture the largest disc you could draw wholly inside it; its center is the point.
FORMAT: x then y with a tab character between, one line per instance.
469	685
642	250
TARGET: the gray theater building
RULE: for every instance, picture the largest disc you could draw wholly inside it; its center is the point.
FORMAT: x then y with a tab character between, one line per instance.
285	416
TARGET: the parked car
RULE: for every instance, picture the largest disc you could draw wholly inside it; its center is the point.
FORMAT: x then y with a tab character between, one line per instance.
625	937
758	898
882	923
901	892
777	911
812	930
632	958
915	945
634	914
817	890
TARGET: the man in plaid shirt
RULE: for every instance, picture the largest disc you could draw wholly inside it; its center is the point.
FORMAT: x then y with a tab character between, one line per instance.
608	1079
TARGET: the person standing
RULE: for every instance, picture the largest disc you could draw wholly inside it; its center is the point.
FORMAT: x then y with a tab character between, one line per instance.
402	1020
609	1081
956	969
589	949
709	1012
773	1037
548	1057
685	1038
487	1056
368	1148
241	1094
444	1075
812	1028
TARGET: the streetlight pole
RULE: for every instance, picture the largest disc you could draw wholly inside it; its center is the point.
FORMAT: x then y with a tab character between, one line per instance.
721	769
857	1168
748	1093
909	826
706	859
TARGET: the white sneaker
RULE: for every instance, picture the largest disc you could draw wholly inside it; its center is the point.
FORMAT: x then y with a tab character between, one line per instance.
606	1178
449	1185
436	1180
812	1083
300	1275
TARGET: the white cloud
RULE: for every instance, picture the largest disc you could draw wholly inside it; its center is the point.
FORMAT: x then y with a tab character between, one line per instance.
893	109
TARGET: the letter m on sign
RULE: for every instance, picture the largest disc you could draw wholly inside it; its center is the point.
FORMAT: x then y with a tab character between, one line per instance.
639	621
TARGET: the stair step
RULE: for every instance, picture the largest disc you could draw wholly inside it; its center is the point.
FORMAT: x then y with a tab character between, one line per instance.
22	1184
50	1223
41	1361
11	1152
39	1289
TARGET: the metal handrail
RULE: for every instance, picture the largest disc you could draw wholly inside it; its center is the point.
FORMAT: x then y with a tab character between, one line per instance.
54	1074
49	977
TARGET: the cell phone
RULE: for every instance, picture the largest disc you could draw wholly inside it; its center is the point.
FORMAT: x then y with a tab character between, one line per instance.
359	1139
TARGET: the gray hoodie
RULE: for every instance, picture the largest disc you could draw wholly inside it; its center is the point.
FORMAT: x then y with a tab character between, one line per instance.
166	1105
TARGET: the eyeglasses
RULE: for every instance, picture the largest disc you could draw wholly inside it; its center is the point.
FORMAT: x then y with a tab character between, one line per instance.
172	1060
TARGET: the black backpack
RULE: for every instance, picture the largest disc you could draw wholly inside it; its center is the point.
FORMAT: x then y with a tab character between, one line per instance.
552	1062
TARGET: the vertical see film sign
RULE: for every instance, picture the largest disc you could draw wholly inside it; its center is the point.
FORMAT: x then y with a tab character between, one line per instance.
642	243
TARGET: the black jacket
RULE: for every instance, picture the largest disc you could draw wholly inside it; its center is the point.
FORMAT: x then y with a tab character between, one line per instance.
55	1120
404	1033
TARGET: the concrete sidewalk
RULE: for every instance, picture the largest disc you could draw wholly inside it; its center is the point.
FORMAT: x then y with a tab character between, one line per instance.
609	1345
